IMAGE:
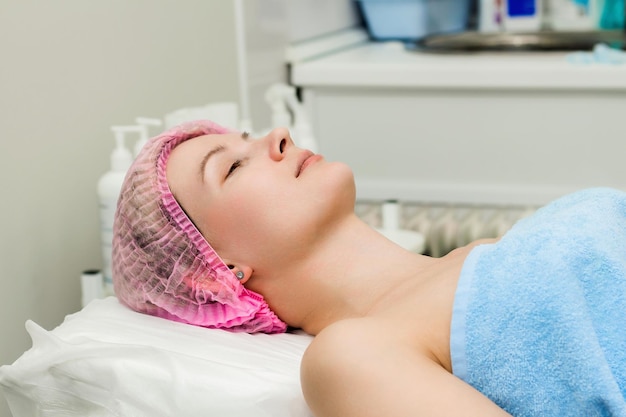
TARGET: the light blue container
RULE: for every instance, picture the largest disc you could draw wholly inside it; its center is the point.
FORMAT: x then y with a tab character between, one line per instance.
413	19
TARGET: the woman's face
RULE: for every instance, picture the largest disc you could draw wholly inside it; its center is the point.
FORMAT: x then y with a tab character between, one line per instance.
258	201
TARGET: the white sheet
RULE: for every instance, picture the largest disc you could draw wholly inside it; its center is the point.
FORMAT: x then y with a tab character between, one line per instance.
107	360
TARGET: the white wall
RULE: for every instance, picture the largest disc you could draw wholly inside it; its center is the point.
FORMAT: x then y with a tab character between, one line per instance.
68	70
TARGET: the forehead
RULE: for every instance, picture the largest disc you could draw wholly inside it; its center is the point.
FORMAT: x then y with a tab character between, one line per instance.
199	143
183	164
189	153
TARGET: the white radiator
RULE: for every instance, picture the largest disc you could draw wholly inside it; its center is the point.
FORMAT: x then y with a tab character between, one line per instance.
448	226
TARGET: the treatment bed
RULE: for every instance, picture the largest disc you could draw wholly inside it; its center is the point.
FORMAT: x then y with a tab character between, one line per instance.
107	360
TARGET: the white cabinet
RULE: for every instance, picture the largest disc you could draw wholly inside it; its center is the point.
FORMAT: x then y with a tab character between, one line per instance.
506	128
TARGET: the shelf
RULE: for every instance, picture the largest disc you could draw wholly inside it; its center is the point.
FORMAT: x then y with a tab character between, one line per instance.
391	65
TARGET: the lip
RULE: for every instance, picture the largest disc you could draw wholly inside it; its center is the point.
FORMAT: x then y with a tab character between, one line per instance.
305	159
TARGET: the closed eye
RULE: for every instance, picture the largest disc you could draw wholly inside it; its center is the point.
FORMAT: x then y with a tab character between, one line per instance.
233	167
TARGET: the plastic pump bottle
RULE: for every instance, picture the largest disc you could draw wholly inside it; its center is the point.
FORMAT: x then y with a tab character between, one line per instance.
282	99
109	187
408	239
522	15
145	123
274	96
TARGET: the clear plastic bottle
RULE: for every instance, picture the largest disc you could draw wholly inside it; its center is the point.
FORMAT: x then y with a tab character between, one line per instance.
109	186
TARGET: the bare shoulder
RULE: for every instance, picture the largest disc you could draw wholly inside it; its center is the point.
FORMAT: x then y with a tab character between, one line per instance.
356	368
345	331
337	357
339	346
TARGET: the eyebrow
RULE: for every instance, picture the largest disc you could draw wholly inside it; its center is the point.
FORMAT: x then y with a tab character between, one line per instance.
217	149
206	158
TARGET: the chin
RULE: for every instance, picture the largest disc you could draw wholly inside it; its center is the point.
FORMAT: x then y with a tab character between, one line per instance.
341	185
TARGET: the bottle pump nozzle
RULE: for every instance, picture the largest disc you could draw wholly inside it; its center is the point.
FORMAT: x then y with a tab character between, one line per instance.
282	99
121	158
275	97
144	123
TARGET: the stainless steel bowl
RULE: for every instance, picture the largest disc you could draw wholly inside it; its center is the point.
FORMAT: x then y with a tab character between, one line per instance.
528	41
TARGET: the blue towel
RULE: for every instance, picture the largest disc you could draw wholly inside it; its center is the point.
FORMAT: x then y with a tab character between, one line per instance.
539	321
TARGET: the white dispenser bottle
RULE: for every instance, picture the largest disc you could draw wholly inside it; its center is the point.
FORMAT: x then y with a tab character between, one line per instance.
523	15
408	239
275	97
145	123
109	187
288	111
490	16
571	15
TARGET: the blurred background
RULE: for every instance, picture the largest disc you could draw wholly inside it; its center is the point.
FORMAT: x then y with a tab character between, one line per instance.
71	69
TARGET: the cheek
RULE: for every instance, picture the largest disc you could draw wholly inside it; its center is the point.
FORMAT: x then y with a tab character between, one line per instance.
268	215
247	213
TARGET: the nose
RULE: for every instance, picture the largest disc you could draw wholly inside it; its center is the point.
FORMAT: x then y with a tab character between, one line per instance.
279	141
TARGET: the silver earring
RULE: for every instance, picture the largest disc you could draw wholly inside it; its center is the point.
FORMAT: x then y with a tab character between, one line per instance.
239	275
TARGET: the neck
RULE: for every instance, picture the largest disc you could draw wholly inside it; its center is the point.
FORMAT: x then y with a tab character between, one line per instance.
351	272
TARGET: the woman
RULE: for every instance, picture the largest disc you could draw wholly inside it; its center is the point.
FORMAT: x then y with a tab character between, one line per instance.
397	333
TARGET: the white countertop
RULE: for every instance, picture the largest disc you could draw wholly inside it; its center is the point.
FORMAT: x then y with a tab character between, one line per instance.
377	64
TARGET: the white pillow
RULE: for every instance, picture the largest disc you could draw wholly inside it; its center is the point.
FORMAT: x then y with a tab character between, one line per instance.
107	360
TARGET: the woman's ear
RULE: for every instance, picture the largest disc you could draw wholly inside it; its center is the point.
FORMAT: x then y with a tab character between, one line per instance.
242	272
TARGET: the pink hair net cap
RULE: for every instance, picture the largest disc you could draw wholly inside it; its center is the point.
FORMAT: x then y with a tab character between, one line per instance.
162	265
